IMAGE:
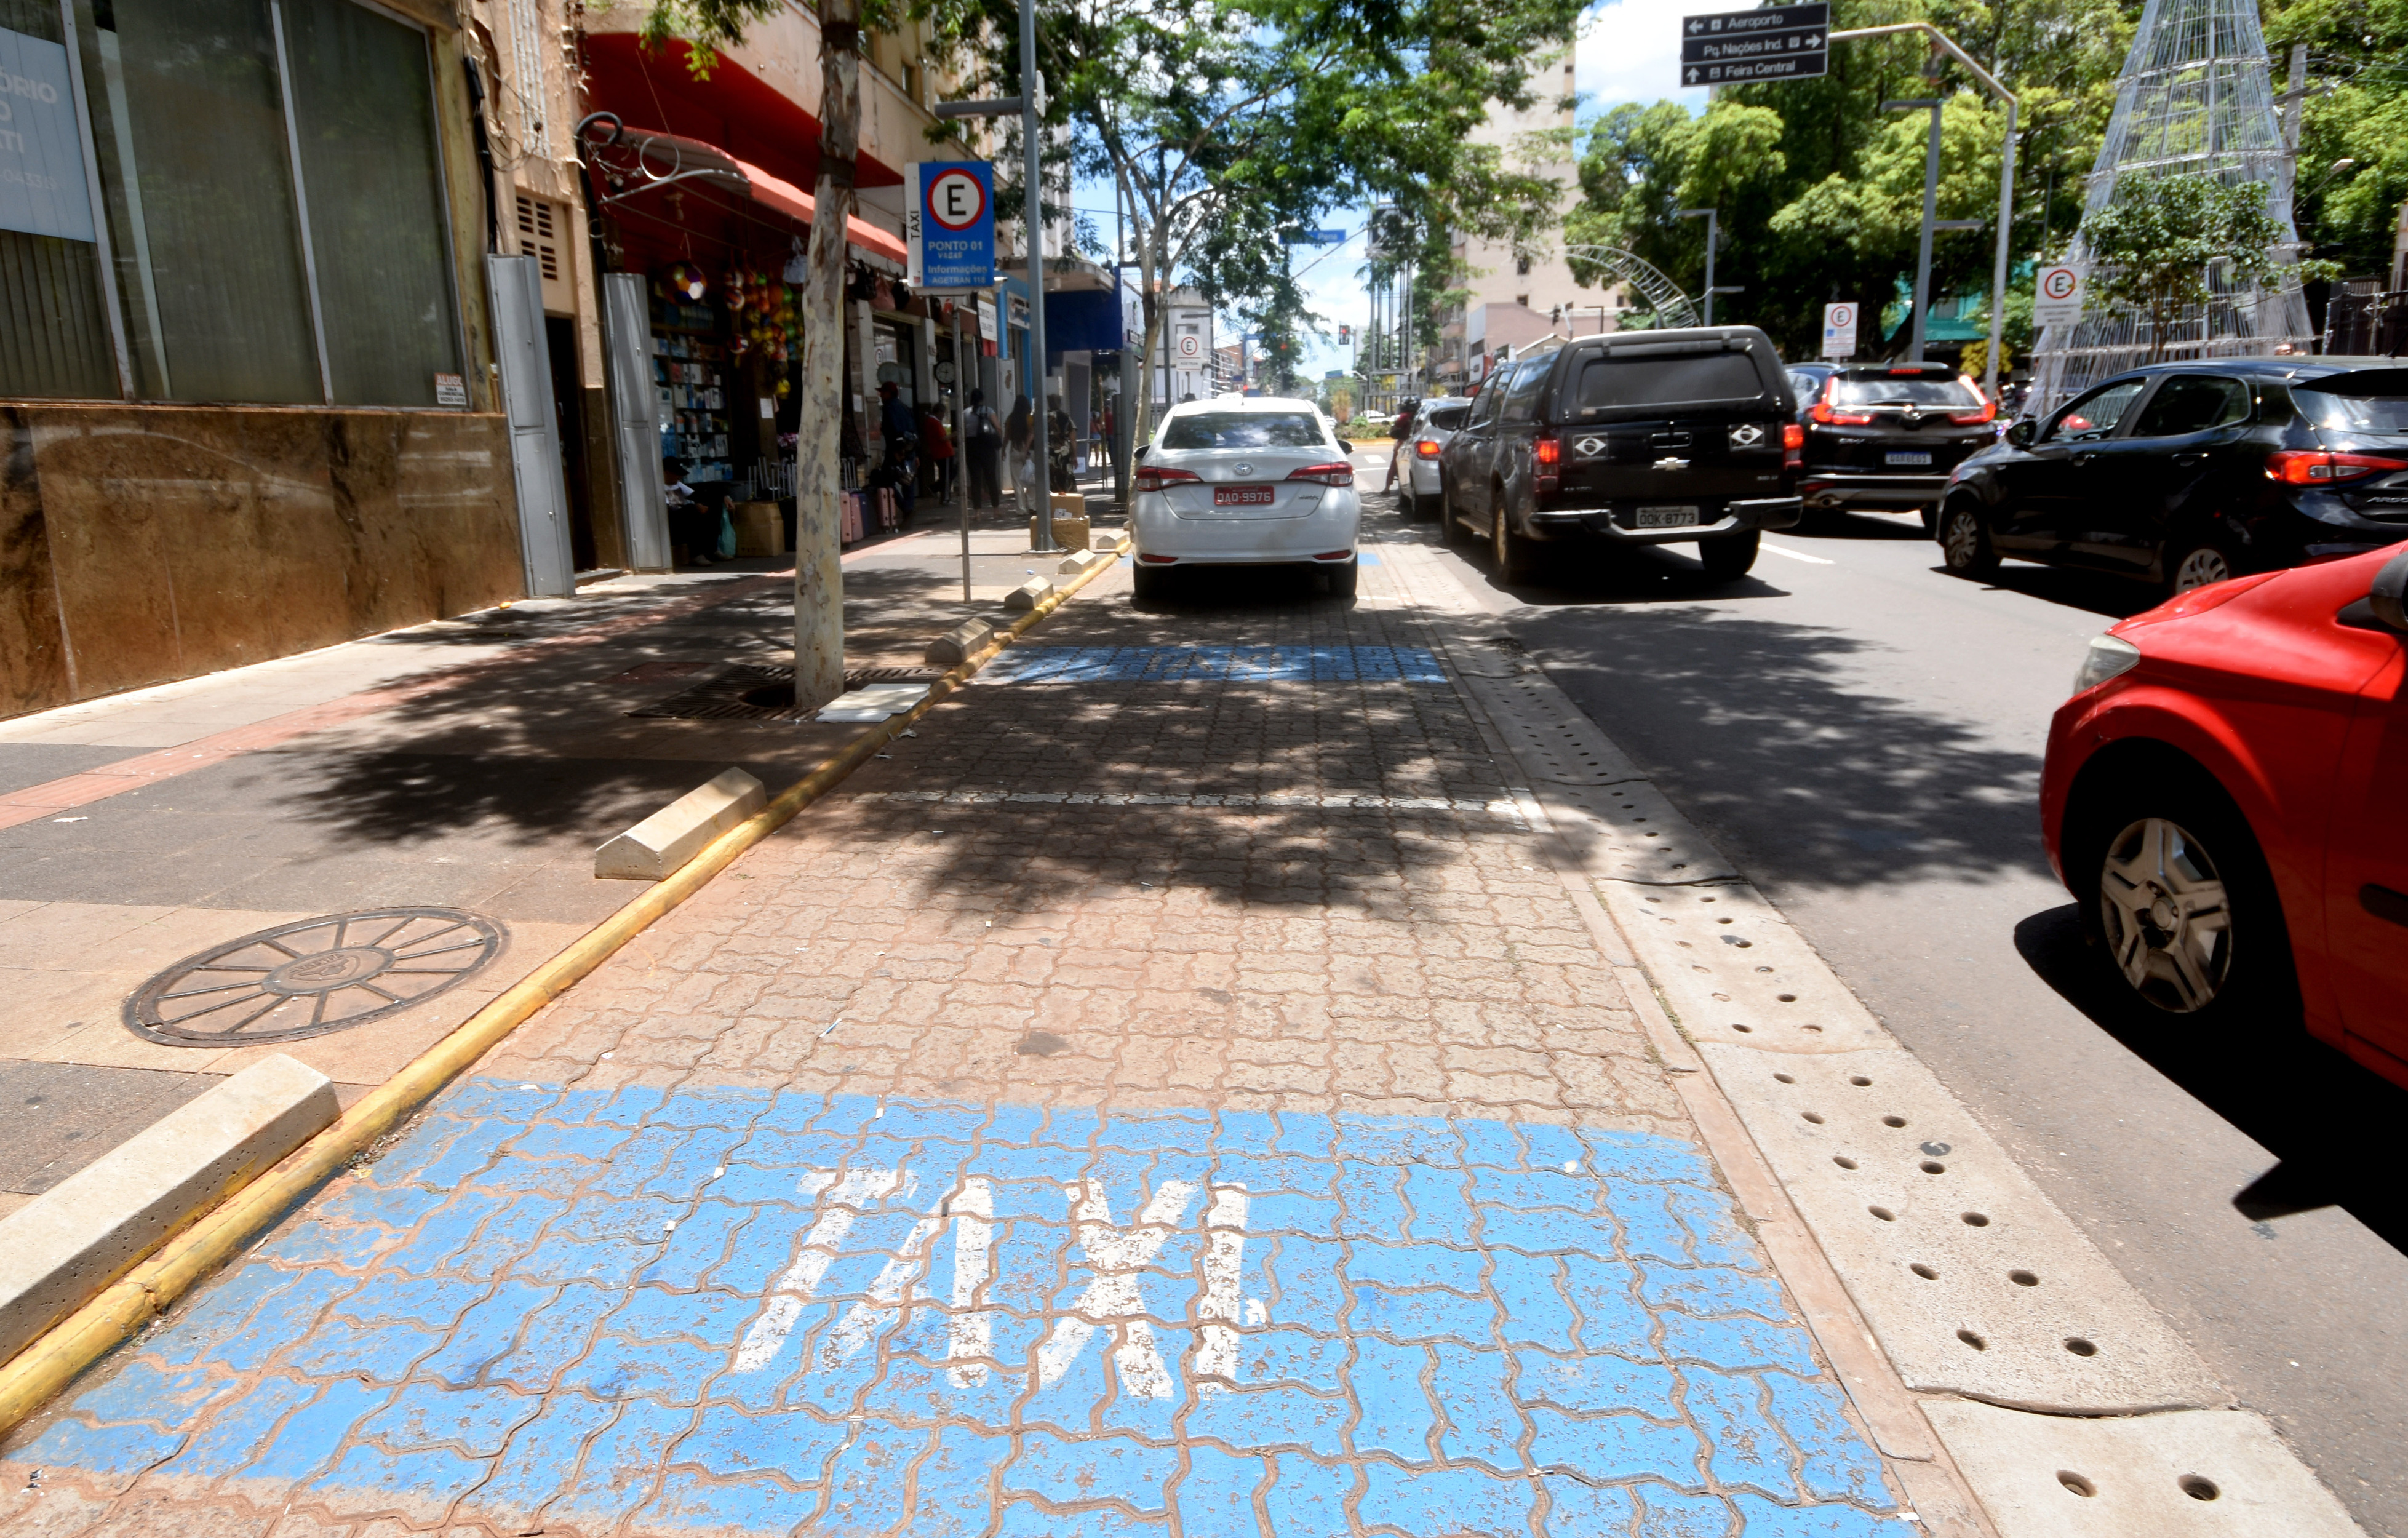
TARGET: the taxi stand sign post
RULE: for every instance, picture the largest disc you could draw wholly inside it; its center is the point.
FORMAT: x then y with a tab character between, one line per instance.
2057	294
949	234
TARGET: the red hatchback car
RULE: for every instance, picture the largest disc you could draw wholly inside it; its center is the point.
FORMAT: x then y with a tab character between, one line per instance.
2227	797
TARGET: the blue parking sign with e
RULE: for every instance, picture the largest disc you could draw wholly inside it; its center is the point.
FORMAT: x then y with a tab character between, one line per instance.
950	224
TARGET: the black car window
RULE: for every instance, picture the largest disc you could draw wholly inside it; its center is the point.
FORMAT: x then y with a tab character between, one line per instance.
2371	401
2095	415
1444	419
1806	385
2193	403
2274	402
1611	381
1945	394
1483	406
1522	398
1244	430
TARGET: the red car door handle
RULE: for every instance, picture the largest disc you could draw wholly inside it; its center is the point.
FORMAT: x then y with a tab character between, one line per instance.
2383	903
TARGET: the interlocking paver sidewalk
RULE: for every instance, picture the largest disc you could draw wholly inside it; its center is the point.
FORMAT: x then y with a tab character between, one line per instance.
1172	1094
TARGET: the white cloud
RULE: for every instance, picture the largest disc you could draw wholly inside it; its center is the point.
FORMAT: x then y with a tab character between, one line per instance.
1629	51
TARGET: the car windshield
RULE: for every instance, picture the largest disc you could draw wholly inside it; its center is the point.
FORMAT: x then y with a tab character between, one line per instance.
1610	383
2348	414
1243	430
1925	391
1444	419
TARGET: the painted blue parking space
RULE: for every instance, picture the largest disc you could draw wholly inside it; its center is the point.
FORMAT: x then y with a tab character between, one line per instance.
753	1311
1216	664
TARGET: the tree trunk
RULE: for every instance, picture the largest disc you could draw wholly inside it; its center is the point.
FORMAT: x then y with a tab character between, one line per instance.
819	577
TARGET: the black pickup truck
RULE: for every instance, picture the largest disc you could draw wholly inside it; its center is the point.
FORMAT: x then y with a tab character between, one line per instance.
1640	438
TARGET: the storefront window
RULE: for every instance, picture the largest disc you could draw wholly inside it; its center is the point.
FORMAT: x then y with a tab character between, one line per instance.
55	339
198	112
366	107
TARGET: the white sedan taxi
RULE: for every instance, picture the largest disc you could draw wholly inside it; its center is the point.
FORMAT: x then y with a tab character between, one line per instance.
1240	481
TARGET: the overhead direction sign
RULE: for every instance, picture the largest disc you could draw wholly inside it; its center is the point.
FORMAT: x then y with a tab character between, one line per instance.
949	224
1775	43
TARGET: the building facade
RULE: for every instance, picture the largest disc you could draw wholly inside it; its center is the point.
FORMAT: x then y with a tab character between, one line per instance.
390	340
1517	300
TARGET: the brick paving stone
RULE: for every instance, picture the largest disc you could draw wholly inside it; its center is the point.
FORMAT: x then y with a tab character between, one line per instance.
1171	1093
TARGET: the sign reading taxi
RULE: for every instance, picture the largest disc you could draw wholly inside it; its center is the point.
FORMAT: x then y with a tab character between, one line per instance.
949	224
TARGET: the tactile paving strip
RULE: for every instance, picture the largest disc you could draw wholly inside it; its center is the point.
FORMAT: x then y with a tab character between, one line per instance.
1972	1281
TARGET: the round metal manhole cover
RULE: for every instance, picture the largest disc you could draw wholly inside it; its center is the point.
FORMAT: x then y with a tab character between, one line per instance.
316	976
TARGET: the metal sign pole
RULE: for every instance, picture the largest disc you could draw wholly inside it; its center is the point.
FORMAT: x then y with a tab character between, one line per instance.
1033	221
962	447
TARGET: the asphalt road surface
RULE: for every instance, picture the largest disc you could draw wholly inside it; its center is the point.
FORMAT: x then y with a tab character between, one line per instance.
1863	735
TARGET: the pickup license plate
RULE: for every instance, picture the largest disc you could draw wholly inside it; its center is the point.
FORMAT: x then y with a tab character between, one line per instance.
1665	517
1241	497
1910	456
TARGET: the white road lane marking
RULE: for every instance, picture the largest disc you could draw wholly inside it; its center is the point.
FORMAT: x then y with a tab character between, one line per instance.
1795	554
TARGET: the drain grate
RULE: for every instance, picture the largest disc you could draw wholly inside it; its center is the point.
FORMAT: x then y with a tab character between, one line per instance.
313	977
764	694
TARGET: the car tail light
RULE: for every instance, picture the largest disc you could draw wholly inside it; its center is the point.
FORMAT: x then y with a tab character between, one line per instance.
1160	560
1988	414
1156	476
1793	436
1823	411
2322	467
1546	465
1338	473
1427	448
1335	556
1548	450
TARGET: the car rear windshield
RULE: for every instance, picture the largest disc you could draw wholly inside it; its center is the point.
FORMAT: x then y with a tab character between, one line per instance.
1446	419
2374	401
1619	382
1243	430
1925	391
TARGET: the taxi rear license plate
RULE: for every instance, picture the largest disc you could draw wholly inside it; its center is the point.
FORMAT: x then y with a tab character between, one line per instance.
1914	456
1665	517
1241	497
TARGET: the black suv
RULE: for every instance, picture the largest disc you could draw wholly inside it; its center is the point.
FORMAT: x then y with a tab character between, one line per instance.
1640	437
1886	435
2186	473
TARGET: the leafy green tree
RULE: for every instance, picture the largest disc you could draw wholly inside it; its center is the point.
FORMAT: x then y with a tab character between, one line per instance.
1820	193
2160	246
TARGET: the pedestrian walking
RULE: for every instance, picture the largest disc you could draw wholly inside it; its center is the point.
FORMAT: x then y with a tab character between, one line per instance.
898	471
1061	440
692	524
983	449
1401	432
938	445
1017	433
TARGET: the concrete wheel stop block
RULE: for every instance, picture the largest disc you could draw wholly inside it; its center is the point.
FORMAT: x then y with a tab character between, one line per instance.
1085	560
959	644
1027	596
62	1247
2187	1474
677	832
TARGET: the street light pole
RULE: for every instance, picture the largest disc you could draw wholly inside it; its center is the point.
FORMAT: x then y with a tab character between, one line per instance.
2006	173
1931	209
1714	231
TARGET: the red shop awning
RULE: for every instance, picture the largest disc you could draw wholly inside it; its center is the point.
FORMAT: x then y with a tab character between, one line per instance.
654	159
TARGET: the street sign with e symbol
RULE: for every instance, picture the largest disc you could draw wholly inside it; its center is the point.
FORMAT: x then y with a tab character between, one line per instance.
949	224
1839	330
2057	294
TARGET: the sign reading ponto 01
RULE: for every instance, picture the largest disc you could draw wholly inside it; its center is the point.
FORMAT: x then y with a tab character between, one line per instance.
42	186
949	224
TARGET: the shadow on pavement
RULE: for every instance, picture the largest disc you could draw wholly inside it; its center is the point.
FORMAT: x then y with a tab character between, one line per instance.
2340	1131
1760	729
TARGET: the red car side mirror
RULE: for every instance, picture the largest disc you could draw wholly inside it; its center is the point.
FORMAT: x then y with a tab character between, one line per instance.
2388	597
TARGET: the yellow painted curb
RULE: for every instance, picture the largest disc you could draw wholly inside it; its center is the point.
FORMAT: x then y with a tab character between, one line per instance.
54	1358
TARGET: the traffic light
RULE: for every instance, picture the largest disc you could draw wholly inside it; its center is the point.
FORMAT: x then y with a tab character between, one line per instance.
1345	335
